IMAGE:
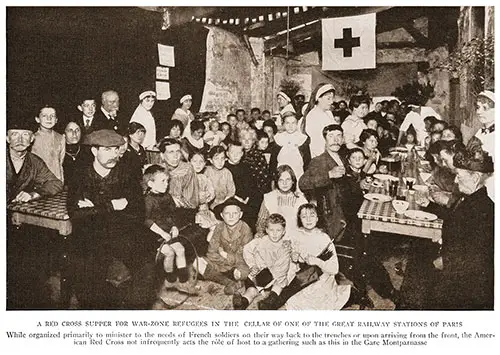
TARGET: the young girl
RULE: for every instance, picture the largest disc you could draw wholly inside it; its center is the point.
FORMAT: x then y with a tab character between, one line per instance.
284	200
221	177
313	247
204	217
368	140
292	147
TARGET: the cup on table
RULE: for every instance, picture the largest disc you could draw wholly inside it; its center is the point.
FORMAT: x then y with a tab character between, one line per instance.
421	195
400	206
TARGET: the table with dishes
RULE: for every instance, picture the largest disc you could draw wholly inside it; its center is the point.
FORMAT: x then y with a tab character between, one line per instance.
393	202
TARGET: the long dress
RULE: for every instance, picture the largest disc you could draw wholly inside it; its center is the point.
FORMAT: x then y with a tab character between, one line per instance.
144	117
324	294
286	204
315	121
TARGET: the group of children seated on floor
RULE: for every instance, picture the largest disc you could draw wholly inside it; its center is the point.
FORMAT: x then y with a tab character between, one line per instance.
296	264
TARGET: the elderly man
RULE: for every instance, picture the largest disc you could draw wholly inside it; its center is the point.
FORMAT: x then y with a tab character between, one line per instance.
28	177
108	113
107	210
322	177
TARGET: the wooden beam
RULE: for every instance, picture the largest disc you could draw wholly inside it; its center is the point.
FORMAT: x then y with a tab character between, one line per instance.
417	35
316	13
250	50
294	36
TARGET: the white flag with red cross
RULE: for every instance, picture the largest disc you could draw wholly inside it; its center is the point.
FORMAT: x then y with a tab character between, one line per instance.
349	42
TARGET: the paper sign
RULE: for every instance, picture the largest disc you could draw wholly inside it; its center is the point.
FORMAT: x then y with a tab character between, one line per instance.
162	73
166	55
162	90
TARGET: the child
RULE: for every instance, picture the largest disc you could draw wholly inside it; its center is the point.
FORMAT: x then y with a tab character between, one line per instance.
225	128
268	259
213	136
87	108
263	144
205	218
313	247
49	145
224	262
221	177
160	209
292	147
262	140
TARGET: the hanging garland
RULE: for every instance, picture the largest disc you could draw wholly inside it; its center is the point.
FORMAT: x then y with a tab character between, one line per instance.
471	61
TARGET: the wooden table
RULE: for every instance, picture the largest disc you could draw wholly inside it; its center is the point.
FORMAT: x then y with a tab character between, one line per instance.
381	217
49	212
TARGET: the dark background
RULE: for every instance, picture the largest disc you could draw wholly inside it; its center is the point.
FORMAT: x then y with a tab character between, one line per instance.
60	55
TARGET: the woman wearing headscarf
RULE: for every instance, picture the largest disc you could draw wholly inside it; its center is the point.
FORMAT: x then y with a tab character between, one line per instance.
318	115
142	115
285	105
183	114
462	276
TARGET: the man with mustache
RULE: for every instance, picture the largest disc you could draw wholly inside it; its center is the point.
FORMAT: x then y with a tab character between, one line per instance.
28	177
321	180
106	207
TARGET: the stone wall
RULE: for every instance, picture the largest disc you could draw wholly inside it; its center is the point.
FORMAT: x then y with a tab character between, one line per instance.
228	74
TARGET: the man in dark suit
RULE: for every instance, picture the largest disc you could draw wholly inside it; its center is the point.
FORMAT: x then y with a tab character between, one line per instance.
88	121
108	113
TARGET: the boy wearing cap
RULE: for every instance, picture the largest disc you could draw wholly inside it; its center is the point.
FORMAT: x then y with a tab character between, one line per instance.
28	177
106	206
142	115
224	261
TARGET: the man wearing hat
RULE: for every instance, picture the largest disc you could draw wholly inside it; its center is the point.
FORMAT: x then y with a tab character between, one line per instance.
28	177
107	210
183	114
142	115
108	112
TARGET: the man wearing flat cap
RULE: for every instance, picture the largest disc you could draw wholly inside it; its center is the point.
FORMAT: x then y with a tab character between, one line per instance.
28	177
462	276
107	210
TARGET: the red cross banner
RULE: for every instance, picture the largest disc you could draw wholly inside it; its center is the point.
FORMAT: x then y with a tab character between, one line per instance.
349	42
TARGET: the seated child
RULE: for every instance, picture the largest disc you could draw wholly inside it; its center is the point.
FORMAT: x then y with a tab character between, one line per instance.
220	176
204	217
313	247
269	261
213	136
159	211
224	262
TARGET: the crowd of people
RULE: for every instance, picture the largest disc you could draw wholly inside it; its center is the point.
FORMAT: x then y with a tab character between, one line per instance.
257	202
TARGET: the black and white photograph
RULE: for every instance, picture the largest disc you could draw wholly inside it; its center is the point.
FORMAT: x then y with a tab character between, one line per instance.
250	158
